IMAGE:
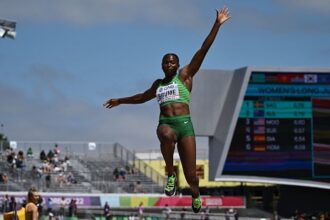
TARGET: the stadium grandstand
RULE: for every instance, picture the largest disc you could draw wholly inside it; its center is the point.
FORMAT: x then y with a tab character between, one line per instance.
86	172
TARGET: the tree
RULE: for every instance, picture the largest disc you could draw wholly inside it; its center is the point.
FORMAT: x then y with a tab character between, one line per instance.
4	142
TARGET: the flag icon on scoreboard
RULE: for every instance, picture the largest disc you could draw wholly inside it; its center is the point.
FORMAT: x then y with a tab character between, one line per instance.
310	78
323	79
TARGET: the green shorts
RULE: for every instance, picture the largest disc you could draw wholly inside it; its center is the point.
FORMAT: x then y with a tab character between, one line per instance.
181	125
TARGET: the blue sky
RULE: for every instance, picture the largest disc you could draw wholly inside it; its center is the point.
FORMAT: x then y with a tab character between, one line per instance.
70	56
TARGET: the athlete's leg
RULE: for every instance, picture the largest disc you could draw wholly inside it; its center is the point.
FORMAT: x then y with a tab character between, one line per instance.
167	138
187	152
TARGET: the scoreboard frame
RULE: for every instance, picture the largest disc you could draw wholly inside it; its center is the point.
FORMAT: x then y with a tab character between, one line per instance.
221	135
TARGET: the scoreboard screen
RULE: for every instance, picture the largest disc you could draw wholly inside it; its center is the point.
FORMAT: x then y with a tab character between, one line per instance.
283	128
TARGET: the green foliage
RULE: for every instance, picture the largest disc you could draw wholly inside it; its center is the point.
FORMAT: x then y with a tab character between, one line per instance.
4	142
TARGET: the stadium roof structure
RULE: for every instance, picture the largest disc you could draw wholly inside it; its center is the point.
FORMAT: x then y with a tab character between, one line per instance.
217	99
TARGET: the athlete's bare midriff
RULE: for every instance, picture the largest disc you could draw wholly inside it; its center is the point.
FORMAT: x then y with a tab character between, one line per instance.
174	109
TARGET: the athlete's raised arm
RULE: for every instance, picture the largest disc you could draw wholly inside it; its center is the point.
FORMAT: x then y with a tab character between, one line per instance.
191	69
135	99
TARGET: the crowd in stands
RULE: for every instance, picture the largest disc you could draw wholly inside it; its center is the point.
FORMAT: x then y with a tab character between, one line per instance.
119	174
15	160
51	167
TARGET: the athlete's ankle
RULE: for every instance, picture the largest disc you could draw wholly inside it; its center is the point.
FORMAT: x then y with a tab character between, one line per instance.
195	192
195	196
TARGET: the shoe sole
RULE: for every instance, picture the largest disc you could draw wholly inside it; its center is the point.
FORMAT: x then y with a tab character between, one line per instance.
168	193
196	210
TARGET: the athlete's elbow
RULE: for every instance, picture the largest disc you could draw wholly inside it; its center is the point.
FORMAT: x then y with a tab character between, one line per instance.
139	99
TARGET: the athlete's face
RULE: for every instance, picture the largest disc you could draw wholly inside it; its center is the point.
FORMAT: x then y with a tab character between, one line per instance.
170	65
35	197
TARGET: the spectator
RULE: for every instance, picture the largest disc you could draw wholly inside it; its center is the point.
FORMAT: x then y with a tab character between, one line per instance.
56	160
133	170
12	204
40	204
236	215
206	213
227	214
49	206
61	179
23	203
138	188
20	160
43	156
64	165
5	204
50	155
56	168
128	169
115	174
10	155
141	208
13	163
70	179
45	167
48	180
36	173
57	150
4	178
122	173
29	153
11	158
62	209
73	208
322	216
106	211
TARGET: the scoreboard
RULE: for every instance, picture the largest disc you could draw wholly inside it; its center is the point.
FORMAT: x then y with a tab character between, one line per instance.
283	128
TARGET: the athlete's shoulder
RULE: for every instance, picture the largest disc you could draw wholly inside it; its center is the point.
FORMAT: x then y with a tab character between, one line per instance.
183	74
156	83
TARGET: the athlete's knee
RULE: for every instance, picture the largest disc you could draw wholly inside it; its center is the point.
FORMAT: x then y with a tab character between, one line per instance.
165	134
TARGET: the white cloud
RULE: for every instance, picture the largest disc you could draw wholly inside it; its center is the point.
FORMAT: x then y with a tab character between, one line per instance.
86	12
319	6
34	119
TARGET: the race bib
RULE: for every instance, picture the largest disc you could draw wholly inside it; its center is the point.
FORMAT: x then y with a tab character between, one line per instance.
167	93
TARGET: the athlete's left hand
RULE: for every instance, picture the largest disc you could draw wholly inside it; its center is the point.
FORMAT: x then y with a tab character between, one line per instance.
223	15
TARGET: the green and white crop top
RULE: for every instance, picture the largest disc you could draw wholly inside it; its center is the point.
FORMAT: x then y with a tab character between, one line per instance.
173	92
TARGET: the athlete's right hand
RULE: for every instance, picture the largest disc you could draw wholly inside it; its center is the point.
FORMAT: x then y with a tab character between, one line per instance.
111	103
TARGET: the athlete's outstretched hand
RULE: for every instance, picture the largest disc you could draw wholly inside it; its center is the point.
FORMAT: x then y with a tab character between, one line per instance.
111	103
223	15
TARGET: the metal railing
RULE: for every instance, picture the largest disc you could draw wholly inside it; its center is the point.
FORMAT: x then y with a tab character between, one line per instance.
129	157
100	150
